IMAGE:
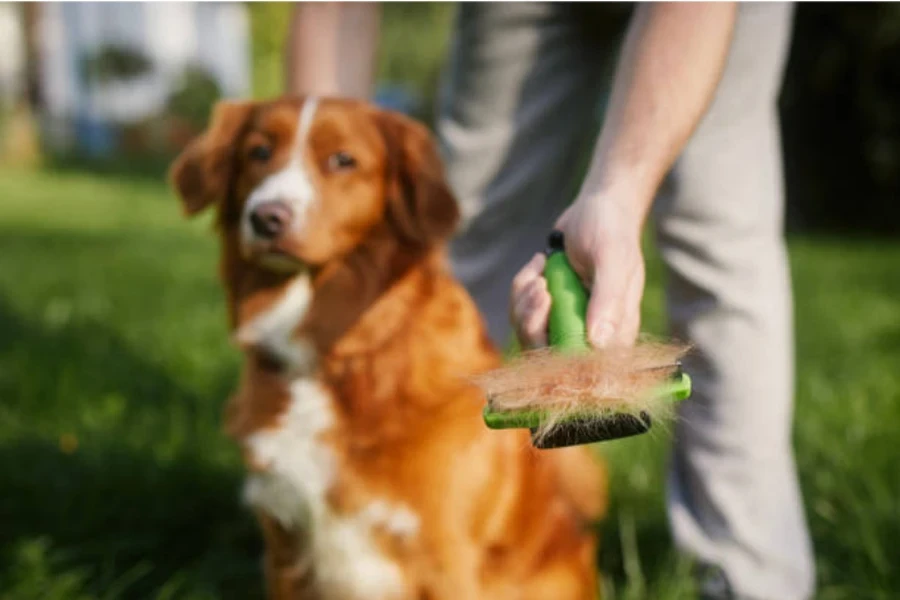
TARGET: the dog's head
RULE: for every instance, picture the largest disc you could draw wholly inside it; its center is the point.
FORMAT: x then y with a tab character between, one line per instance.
335	191
301	182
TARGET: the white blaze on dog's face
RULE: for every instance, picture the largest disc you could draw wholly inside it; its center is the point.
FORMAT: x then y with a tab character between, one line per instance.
281	201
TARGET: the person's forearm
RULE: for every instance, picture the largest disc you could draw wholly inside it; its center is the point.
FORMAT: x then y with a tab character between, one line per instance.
670	66
331	49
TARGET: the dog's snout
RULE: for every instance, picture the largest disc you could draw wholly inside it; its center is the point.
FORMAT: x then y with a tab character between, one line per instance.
269	220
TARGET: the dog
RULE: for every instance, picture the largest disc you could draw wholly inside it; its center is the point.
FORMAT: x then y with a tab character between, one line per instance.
369	466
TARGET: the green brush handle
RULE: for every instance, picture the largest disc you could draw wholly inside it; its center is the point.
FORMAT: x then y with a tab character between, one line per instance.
567	325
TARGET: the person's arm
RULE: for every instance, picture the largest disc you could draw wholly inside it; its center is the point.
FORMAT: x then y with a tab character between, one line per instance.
668	71
331	49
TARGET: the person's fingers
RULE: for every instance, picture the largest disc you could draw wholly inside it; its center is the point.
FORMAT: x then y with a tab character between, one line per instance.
534	324
613	313
527	297
532	270
530	314
523	297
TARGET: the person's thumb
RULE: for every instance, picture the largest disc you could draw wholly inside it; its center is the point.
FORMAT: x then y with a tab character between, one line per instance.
604	307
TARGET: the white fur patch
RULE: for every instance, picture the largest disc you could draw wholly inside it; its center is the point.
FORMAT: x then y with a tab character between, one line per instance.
299	471
398	521
291	184
274	329
299	468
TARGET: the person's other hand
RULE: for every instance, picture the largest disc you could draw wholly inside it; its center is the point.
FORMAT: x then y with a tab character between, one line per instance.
603	244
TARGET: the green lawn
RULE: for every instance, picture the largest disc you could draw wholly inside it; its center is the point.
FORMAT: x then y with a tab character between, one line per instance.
116	482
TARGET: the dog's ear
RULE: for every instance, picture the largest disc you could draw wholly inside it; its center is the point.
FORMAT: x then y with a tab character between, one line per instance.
201	173
421	205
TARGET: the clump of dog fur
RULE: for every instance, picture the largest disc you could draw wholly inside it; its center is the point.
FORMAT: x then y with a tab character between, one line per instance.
618	380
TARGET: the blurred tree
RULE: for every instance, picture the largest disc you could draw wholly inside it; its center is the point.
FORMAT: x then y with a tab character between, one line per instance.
192	100
268	29
414	40
31	14
112	62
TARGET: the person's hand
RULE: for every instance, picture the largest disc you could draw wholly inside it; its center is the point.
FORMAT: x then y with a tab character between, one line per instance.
603	245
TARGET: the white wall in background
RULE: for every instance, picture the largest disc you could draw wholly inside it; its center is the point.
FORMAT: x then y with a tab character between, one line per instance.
172	34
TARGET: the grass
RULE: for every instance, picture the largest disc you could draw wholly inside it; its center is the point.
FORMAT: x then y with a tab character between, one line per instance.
116	482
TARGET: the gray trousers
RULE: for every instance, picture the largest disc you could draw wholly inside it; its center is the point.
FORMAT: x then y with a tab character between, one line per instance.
517	115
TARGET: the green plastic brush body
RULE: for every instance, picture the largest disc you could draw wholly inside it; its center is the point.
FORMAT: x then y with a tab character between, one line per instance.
567	332
567	322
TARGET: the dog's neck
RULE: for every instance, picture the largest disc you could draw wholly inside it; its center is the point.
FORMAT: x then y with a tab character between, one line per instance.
389	318
350	300
349	291
365	361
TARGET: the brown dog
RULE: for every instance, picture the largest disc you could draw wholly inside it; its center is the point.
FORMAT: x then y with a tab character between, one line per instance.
371	470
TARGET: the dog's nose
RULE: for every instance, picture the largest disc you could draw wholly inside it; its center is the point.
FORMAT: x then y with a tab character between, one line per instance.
269	220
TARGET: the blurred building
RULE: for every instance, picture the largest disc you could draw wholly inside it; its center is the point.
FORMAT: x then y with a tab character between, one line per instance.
114	74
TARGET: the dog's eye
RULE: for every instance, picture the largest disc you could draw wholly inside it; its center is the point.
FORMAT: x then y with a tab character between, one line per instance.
260	153
341	161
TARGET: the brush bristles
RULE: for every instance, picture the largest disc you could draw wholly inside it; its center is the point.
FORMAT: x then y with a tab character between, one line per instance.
593	383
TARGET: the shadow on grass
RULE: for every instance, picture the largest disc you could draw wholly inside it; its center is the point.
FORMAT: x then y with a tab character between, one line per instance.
116	505
112	513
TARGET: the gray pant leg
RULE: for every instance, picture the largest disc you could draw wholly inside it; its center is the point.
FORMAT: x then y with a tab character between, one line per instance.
518	106
734	500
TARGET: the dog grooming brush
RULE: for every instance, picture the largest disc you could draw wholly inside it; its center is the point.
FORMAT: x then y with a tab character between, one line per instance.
570	393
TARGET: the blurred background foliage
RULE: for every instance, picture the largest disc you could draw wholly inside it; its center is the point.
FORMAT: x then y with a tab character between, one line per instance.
269	23
414	38
840	102
193	98
115	62
841	117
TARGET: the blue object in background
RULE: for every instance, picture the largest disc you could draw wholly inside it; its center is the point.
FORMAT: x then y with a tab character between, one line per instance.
399	98
96	138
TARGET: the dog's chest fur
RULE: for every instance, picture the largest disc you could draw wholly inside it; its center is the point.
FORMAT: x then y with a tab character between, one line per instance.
299	469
